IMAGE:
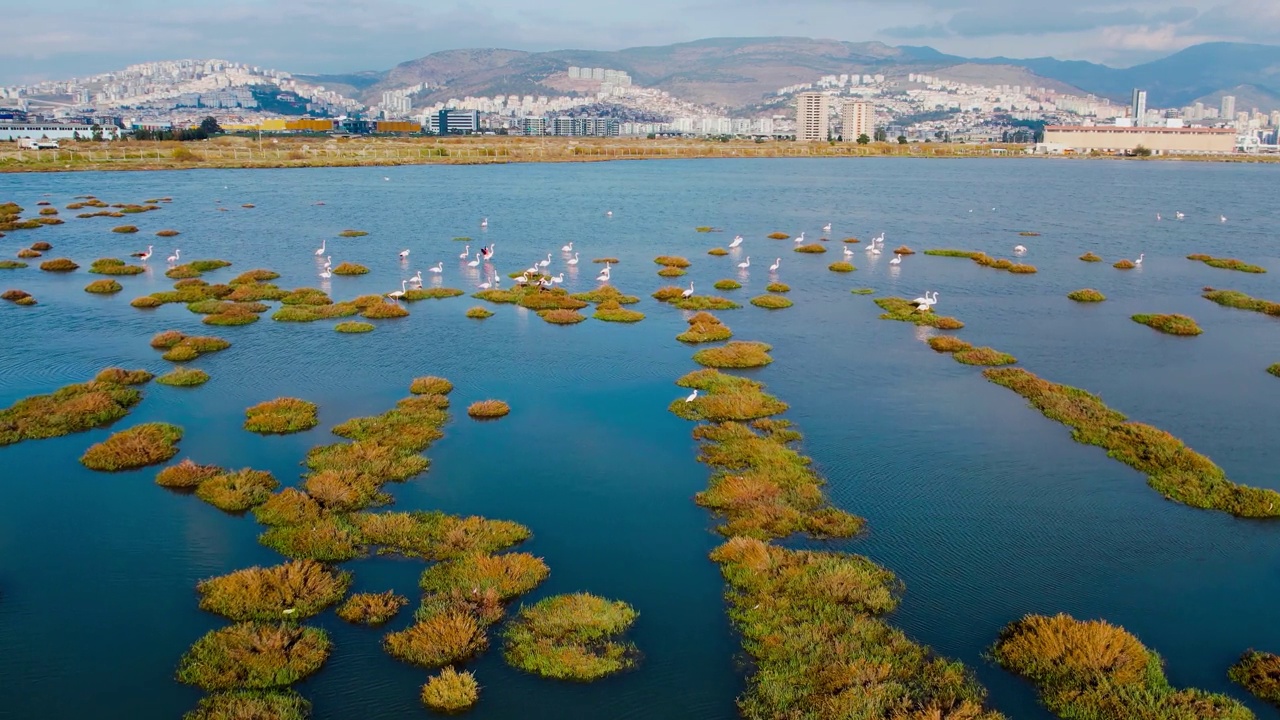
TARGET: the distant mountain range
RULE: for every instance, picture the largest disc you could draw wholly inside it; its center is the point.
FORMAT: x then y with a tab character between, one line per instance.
736	73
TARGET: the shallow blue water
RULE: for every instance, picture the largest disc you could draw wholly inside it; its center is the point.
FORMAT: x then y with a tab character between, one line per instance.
983	507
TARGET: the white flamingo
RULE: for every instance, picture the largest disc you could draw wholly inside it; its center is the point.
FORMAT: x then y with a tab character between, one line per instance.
326	274
897	259
1179	215
544	263
488	252
476	262
777	263
1222	218
1019	249
926	302
439	268
533	269
328	262
321	250
1158	218
557	279
1139	260
737	240
144	256
567	248
745	263
485	285
397	294
847	251
177	254
416	279
484	223
404	254
826	228
692	396
800	238
466	252
608	213
603	276
572	261
689	292
521	279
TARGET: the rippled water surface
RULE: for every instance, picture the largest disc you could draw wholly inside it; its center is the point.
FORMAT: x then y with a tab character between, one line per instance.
984	508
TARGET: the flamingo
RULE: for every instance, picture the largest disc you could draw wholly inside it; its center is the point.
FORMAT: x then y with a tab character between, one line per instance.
826	228
567	248
692	396
737	240
484	223
777	263
544	263
532	270
800	238
557	279
175	256
926	302
404	254
746	263
321	250
1222	218
485	285
1179	215
1019	249
476	262
488	252
847	251
384	179
689	292
397	294
1139	260
603	276
1158	218
897	259
439	268
416	279
608	213
573	261
328	262
522	279
871	246
144	255
466	252
326	274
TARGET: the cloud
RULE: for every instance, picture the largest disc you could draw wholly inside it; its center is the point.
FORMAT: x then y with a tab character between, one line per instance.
917	32
973	23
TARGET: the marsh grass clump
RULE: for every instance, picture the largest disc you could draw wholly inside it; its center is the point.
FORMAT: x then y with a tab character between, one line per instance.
138	446
27	301
778	236
1090	257
1241	301
725	398
251	705
41	245
28	253
120	376
727	284
1259	673
703	328
114	266
294	590
11	265
777	287
706	229
438	293
811	248
446	637
554	299
327	539
671	272
1274	369
986	356
488	409
1227	263
704	302
904	310
841	267
771	302
735	354
610	260
14	295
948	344
186	348
571	637
181	272
103	287
450	691
232	316
59	265
70	409
260	275
672	261
562	317
281	416
1021	269
236	491
863	291
1087	295
1095	669
507	576
1124	265
1172	469
253	656
612	311
352	233
350	268
606	293
257	292
430	385
167	233
1001	264
290	506
1028	233
718	252
667	293
495	295
904	250
384	311
125	229
1170	324
353	326
478	313
48	211
435	535
371	608
186	475
311	313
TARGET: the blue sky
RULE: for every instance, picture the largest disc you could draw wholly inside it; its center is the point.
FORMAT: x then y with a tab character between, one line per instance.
82	37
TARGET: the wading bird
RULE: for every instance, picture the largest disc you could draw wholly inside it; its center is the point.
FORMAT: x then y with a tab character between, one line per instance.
573	260
466	252
144	255
692	396
404	254
321	250
397	294
567	248
897	259
1019	249
777	263
175	256
439	268
737	240
746	263
689	292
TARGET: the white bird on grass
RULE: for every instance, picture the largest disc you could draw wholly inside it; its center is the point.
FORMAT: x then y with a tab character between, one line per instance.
746	263
321	250
737	240
926	302
689	292
397	294
439	268
175	256
692	396
557	279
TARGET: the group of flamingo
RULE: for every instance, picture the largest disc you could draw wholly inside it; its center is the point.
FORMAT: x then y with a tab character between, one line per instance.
145	256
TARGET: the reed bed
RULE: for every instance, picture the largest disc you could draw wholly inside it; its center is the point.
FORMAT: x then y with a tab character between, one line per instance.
138	446
1125	265
488	409
704	302
447	637
251	705
186	475
841	267
114	266
477	313
735	354
606	293
236	491
350	268
103	287
1087	295
69	409
1174	470
1227	263
670	272
612	311
667	293
771	302
184	348
327	539
371	608
281	416
59	265
704	328
1241	301
811	248
985	356
312	313
672	261
353	327
253	656
562	317
290	506
727	284
718	252
439	293
294	590
1022	269
554	299
1092	669
506	576
1259	673
571	637
903	310
435	535
725	398
1169	324
451	691
257	292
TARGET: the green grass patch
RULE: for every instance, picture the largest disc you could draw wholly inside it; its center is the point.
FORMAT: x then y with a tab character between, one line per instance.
571	637
771	302
1227	263
704	328
1259	673
724	398
558	316
311	313
612	311
727	285
436	293
1172	469
12	265
505	576
671	272
231	317
70	409
904	310
863	291
138	446
435	535
704	302
184	377
985	356
451	691
251	705
371	608
236	491
672	261
841	267
477	313
735	354
1087	295
59	265
103	287
352	233
1241	301
350	268
1090	257
1125	265
778	236
114	266
488	409
777	287
1170	324
328	539
253	656
948	344
811	248
281	416
353	326
718	252
294	590
125	229
1274	369
606	293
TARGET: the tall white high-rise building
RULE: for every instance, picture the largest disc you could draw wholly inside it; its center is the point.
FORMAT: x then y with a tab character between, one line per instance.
1138	107
858	117
811	117
1228	108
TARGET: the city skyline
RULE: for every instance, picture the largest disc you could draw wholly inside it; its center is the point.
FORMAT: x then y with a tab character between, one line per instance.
325	36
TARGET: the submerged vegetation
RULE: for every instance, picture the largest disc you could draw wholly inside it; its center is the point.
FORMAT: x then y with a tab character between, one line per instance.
1087	295
904	310
571	637
1092	669
1172	469
735	354
1227	263
1259	673
1170	324
281	416
139	446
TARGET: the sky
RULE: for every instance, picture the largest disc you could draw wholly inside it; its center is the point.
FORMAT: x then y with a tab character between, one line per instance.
82	37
